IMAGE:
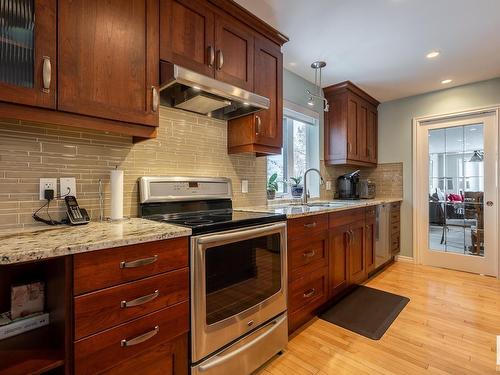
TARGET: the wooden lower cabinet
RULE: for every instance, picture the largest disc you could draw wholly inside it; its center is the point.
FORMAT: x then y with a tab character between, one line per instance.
370	228
338	253
395	228
306	296
131	309
327	254
170	358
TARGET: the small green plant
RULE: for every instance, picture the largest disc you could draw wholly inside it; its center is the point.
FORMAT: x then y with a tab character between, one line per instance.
272	183
295	181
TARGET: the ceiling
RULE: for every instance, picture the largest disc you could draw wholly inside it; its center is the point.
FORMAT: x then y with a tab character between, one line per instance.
380	45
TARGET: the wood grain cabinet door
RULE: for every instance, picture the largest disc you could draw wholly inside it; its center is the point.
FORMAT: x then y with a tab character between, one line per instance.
372	135
28	61
338	261
268	79
370	243
108	62
357	261
361	131
187	35
353	127
234	53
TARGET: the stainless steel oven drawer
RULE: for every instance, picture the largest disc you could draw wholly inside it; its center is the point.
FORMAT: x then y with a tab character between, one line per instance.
248	353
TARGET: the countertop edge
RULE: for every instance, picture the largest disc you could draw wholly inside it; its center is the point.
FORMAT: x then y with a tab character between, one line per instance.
321	210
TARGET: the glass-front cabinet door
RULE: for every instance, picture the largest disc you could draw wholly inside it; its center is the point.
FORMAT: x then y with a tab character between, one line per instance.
28	52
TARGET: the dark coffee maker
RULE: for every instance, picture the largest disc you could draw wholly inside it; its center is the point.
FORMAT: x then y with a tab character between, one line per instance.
347	186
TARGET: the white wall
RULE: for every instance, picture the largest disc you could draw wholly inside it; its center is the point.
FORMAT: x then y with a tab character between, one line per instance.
395	132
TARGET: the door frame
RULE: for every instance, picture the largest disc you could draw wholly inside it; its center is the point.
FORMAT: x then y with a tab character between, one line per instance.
416	122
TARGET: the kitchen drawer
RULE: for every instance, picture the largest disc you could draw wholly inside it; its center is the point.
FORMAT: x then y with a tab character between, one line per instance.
309	291
306	254
97	311
347	217
170	358
303	226
100	352
104	268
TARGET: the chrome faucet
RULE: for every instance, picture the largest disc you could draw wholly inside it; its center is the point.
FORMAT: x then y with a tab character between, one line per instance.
305	194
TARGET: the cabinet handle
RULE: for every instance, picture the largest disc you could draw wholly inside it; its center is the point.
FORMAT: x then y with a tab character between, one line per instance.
368	152
156	98
220	59
141	338
140	301
46	74
258	125
211	56
349	147
309	293
309	254
310	225
138	262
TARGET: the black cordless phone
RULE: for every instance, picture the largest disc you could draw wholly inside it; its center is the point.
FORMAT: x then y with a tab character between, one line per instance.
76	215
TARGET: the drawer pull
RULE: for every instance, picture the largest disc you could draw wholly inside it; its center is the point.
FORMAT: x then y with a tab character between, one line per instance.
309	254
140	301
309	293
141	338
310	225
138	262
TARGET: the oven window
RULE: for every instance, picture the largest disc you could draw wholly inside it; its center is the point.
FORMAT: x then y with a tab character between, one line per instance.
240	275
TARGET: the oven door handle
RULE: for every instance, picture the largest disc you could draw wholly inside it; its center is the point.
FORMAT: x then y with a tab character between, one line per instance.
240	235
218	360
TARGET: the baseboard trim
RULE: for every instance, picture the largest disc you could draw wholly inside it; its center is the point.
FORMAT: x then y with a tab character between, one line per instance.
403	258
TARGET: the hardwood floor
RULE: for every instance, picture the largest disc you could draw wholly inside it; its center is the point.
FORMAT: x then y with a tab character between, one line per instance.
449	327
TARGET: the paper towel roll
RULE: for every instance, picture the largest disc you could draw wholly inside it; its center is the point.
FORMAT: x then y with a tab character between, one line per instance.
116	194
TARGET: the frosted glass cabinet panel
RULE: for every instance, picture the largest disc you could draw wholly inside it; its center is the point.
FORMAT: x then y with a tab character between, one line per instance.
28	52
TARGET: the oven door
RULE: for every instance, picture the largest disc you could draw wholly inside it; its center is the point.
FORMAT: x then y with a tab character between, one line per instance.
238	282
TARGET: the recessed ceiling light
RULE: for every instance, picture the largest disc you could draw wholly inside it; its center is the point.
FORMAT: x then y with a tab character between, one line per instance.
292	63
445	81
432	54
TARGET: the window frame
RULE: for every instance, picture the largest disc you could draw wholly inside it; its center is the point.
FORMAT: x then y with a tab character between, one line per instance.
293	112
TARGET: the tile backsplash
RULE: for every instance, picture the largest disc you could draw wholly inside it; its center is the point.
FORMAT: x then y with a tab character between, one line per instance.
388	178
187	144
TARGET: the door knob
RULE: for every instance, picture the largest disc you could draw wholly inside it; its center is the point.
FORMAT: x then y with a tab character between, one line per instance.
489	203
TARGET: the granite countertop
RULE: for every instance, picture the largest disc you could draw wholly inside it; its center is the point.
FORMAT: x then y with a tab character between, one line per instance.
294	210
48	242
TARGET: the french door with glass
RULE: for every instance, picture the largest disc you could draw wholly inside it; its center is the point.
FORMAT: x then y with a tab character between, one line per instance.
456	190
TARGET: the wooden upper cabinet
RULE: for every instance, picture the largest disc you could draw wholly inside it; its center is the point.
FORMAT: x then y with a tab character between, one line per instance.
350	126
187	35
234	52
28	63
262	132
268	76
108	61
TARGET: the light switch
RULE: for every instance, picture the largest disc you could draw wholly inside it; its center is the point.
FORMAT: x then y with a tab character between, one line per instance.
244	186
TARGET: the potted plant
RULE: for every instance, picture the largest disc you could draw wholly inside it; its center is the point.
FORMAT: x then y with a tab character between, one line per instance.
297	188
272	186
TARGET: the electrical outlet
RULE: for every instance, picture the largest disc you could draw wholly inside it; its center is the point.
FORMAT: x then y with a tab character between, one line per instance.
328	185
47	184
68	186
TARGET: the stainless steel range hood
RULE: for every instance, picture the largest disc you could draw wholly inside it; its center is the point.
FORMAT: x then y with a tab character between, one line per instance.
184	89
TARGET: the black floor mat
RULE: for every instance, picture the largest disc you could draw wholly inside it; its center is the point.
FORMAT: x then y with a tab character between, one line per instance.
366	311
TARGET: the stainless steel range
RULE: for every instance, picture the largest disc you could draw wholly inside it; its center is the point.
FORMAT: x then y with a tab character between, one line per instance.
238	272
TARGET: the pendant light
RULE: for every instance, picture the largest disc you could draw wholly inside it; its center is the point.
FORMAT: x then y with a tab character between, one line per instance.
477	156
317	66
